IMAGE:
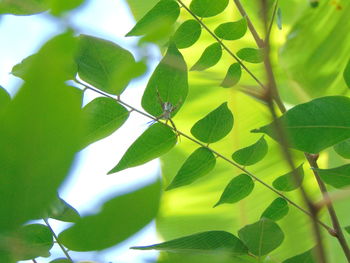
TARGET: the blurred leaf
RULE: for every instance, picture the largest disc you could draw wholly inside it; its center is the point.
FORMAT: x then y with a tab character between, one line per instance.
343	149
306	257
105	65
119	218
103	116
251	55
337	177
215	126
140	8
314	126
208	8
279	19
5	99
187	34
276	210
233	76
63	211
20	7
232	30
210	57
60	6
347	229
154	142
238	188
252	154
287	182
261	237
347	74
198	164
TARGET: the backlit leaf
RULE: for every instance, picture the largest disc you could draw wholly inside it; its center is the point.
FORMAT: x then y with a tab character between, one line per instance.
187	34
306	257
287	182
232	30
347	74
233	76
5	99
208	8
209	58
276	210
63	211
251	55
337	177
343	149
251	154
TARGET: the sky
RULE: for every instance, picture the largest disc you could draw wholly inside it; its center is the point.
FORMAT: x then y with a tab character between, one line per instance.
89	186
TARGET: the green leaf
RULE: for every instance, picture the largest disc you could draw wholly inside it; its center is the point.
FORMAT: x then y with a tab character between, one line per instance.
238	188
314	126
279	18
161	17
103	116
119	218
343	149
287	182
187	34
154	142
209	58
261	237
198	164
63	211
306	257
61	260
251	55
347	74
208	8
20	7
105	65
347	229
210	241
276	210
170	81
5	99
233	76
252	154
232	30
215	126
59	7
337	177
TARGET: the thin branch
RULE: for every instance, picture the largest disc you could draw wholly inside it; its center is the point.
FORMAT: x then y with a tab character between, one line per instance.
34	261
268	34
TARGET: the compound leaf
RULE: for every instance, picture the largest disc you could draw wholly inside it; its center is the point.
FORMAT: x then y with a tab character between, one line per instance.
232	30
187	34
251	55
233	76
251	154
337	177
209	58
343	149
287	182
276	210
208	8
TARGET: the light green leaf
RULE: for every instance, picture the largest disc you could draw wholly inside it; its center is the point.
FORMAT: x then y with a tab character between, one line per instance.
20	7
347	74
314	126
187	34
209	58
154	142
105	65
119	218
210	241
103	116
261	237
63	211
5	99
170	81
239	188
287	182
232	30
252	154
208	8
306	257
251	55
215	126
337	177
343	149
233	76
276	210
198	164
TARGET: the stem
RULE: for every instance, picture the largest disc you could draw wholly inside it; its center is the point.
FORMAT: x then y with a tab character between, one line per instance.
34	261
268	34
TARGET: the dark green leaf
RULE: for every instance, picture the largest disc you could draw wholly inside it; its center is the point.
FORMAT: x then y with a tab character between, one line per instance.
215	126
306	257
208	8
154	142
239	188
105	65
314	126
20	7
170	80
337	177
5	99
187	34
287	182
233	76
261	237
251	154
343	149
198	164
347	229
279	18
119	218
232	30
276	210
209	58
347	74
63	211
211	241
103	116
251	55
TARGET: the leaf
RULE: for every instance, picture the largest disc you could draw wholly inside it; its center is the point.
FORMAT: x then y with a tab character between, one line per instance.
338	177
105	65
239	188
252	154
210	241
279	18
261	237
347	74
198	164
5	99
233	76
59	7
170	79
209	58
314	126
119	218
232	30
208	8
287	182
347	229
154	142
276	210
215	126
20	7
61	260
306	257
63	211
251	55
187	34
343	149
103	116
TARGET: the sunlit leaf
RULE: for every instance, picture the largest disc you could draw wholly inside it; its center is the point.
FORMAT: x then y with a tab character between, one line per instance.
287	182
347	74
251	55
154	142
306	257
251	154
343	149
5	99
337	177
208	8
209	58
232	30
187	34
233	76
276	210
198	164
63	211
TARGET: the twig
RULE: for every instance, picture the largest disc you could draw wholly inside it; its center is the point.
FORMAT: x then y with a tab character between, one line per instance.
268	34
34	261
